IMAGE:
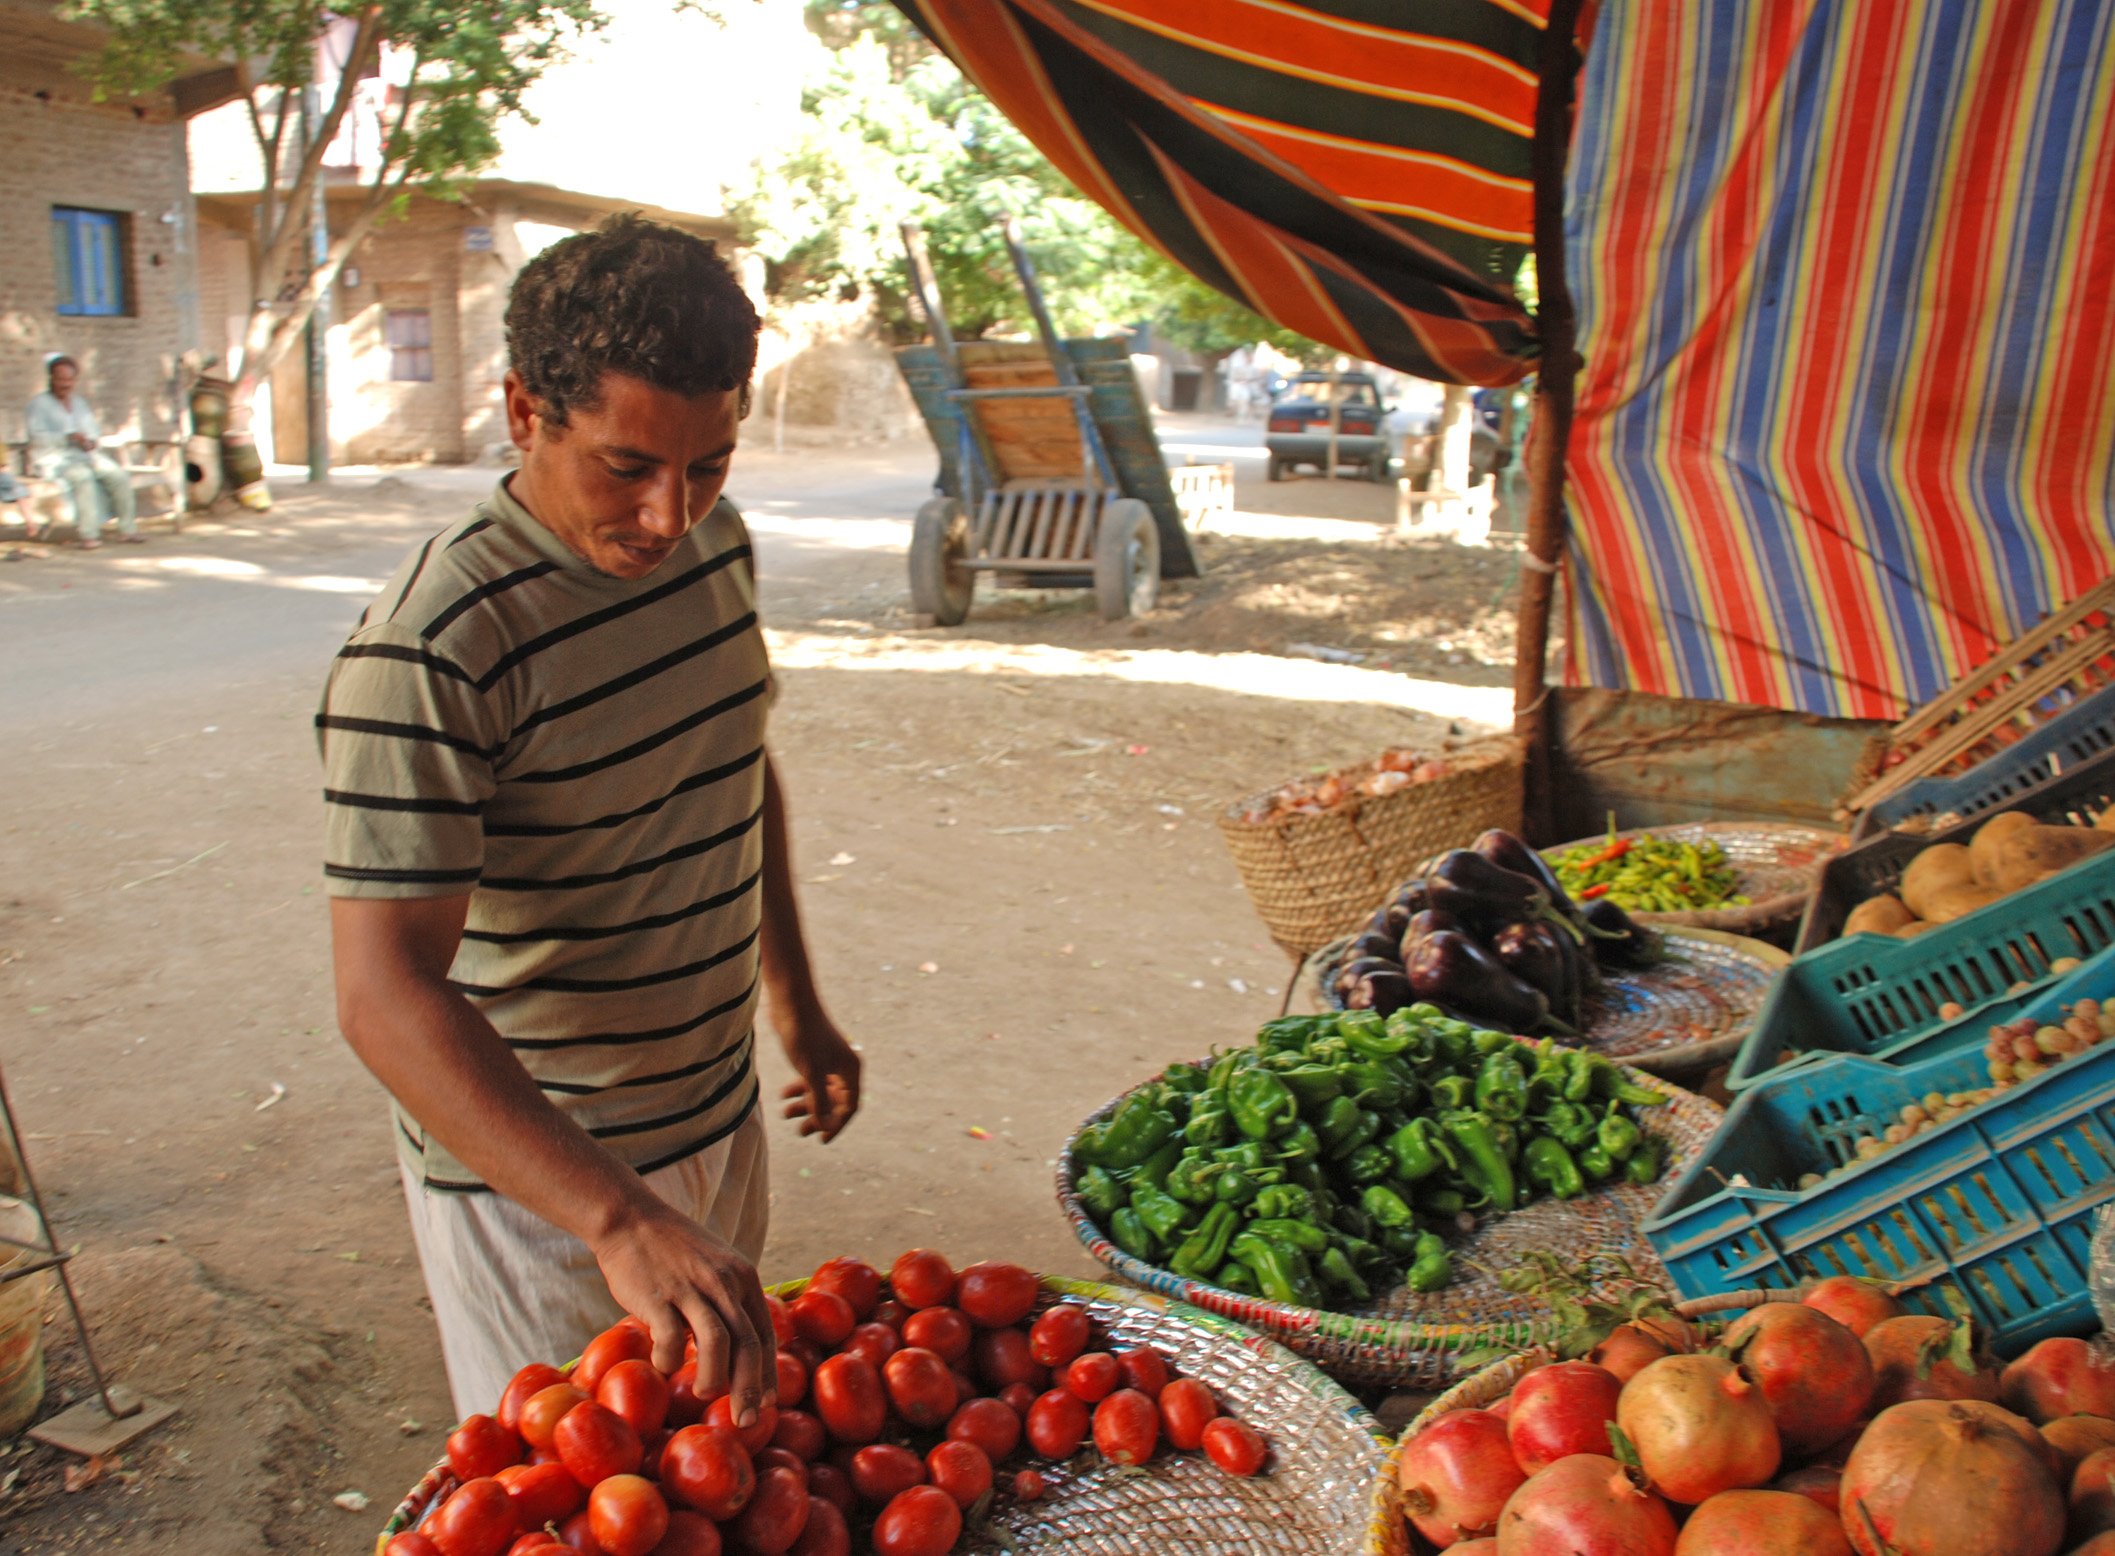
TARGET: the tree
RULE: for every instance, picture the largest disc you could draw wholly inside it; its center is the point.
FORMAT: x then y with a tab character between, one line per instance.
454	72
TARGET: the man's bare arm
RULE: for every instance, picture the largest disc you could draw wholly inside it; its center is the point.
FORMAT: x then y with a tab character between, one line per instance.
454	1073
827	1093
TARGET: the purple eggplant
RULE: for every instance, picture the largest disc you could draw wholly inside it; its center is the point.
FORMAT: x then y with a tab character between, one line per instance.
1350	972
1399	911
1449	968
1509	852
1548	961
1373	943
1485	896
1378	986
1617	939
1421	924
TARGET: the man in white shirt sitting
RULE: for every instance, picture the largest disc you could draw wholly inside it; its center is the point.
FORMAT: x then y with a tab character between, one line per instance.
65	446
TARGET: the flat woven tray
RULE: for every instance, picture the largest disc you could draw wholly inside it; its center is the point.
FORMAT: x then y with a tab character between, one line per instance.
1774	862
1680	1017
1324	1493
1405	1339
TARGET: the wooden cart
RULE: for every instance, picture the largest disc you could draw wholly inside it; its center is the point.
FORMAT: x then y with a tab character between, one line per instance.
1050	475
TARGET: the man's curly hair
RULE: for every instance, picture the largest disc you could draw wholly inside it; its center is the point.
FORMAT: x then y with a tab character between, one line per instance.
633	297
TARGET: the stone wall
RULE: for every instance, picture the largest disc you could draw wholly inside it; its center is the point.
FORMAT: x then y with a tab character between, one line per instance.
842	376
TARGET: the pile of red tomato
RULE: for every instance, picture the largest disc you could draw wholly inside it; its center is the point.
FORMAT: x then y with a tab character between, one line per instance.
896	1404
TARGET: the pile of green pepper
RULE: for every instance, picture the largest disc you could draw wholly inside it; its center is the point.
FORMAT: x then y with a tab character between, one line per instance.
1316	1167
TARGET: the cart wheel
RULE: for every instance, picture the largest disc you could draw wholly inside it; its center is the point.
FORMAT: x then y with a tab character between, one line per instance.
1275	470
1126	560
941	586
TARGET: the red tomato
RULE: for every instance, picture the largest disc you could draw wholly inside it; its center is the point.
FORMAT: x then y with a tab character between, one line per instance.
1020	1396
476	1520
823	1317
826	1533
800	1434
1127	1427
756	1436
542	1411
777	1458
689	1534
1002	1357
542	1494
891	1312
959	1469
882	1470
627	1516
1185	1407
624	1342
781	1318
988	1423
538	1543
481	1446
922	1521
1060	1334
575	1535
595	1442
1145	1369
706	1468
995	1295
1028	1486
1093	1376
532	1379
849	1397
941	1330
876	1342
775	1516
410	1543
685	1408
638	1393
857	1281
833	1485
792	1380
1234	1446
922	1278
1057	1424
920	1387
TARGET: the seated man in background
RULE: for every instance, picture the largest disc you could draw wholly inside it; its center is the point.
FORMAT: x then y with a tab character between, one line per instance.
65	446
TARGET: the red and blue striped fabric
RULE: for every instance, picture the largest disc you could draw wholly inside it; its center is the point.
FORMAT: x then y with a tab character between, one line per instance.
1846	285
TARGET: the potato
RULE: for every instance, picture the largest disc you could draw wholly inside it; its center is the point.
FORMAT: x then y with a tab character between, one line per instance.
1958	901
2035	853
1912	929
1883	915
1935	869
1982	849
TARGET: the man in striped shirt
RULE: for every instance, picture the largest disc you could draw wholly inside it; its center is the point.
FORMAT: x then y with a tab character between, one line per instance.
557	849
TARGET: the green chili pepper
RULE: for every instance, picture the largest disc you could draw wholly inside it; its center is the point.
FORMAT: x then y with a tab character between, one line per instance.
1135	1133
1596	1163
1298	1144
1130	1234
1487	1042
1412	1148
1501	1087
1186	1180
1617	1135
1308	1175
1340	1277
1611	1085
1100	1193
1368	1164
1330	1049
1352	1220
1410	1027
1155	1168
1365	1132
1377	1083
1386	1206
1453	1091
1400	1241
1578	1077
1286	1202
1335	1122
1571	1124
1432	1267
1185	1079
1163	1214
1210	1124
1373	1262
1484	1161
1246	1156
1204	1249
1548	1163
1230	1186
1368	1034
1281	1273
1290	1034
1508	1137
1233	1275
1261	1104
1453	1042
1303	1235
1441	1201
1313	1084
1225	1068
1646	1162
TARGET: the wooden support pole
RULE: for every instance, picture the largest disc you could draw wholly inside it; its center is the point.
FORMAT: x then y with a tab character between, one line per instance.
1546	523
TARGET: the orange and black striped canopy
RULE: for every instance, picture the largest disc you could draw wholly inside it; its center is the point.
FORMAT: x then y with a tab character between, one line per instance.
1356	170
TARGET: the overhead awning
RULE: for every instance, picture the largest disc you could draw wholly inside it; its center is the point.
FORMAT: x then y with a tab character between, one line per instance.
1355	174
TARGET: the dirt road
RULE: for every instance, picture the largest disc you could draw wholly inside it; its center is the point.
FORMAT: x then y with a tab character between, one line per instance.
1018	899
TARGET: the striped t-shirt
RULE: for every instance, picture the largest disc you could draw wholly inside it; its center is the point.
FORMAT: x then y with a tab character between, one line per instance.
584	756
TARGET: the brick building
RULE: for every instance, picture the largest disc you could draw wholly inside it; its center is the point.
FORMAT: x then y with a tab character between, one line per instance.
416	347
101	251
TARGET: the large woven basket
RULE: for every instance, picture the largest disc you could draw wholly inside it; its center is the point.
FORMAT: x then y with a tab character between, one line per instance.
1326	1491
1408	1340
1313	878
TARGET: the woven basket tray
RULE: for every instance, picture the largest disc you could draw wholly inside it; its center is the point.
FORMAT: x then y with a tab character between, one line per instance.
1325	1492
1409	1340
1680	1017
1774	864
1313	878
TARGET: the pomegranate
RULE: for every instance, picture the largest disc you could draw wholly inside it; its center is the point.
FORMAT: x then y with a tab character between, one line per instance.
1854	1302
1561	1409
2099	1545
1631	1347
1918	1357
1734	1523
2061	1376
1818	1483
1456	1476
1587	1505
2073	1437
1950	1477
1700	1426
2093	1496
1813	1372
1487	1546
1838	1453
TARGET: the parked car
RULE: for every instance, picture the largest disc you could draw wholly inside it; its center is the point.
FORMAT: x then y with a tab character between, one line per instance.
1298	430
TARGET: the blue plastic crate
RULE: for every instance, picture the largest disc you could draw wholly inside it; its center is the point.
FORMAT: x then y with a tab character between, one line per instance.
1874	995
1994	1209
2076	735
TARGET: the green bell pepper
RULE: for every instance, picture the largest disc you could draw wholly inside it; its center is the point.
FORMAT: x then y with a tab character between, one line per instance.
1130	1234
1286	1202
1186	1079
1386	1206
1432	1267
1100	1193
1155	1168
1646	1162
1341	1278
1484	1160
1303	1235
1282	1273
1417	1150
1352	1220
1453	1091
1487	1042
1501	1087
1210	1125
1162	1214
1307	1175
1300	1143
1569	1123
1597	1164
1313	1084
1370	1259
1138	1129
1186	1180
1440	1200
1379	1083
1368	1164
1367	1033
1291	1034
1617	1135
1231	1186
1548	1163
1453	1042
1262	1105
1335	1123
1400	1241
1204	1250
1234	1276
1578	1077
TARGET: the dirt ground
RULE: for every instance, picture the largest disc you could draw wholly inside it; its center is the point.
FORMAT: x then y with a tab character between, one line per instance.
1016	893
